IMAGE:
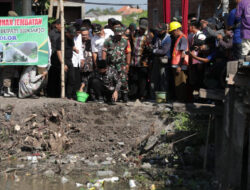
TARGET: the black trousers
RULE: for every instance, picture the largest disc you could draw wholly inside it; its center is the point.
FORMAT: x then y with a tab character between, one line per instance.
73	81
237	51
99	89
54	82
138	77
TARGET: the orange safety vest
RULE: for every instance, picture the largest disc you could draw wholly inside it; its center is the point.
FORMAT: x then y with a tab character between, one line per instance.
176	57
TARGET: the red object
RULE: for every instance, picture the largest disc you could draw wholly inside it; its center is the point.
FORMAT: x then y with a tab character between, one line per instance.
185	4
167	10
176	57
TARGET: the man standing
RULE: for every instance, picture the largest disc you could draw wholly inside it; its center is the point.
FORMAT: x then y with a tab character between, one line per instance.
243	12
69	69
97	42
140	61
54	76
117	53
179	61
160	76
105	81
88	67
77	59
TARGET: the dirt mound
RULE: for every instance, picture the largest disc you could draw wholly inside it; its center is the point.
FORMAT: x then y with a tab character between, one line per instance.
67	127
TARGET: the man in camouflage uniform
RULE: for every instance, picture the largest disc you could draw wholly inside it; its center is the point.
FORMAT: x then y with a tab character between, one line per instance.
117	53
105	82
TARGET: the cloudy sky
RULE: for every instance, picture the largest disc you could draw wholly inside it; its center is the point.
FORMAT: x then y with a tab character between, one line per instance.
115	1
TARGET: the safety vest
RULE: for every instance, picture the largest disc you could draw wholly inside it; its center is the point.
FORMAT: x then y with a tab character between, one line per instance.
176	58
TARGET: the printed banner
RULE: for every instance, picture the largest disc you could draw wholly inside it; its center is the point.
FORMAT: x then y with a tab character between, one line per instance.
24	40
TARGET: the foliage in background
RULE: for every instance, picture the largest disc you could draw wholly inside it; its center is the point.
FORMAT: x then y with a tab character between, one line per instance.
127	20
134	18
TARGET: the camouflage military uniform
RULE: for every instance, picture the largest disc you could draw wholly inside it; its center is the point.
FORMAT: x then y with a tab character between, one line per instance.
104	84
110	79
116	58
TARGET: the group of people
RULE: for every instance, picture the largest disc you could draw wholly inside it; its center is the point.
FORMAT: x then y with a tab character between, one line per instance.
118	62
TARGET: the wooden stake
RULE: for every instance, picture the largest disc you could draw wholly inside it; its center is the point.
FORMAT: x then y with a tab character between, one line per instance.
63	50
51	7
58	10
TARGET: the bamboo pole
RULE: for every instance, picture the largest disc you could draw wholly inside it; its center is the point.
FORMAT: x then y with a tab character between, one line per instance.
62	49
58	10
51	8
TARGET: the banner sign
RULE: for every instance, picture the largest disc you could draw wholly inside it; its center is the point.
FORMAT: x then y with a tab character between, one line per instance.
24	40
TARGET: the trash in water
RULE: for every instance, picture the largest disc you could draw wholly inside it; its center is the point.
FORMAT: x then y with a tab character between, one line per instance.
153	187
79	185
64	180
132	183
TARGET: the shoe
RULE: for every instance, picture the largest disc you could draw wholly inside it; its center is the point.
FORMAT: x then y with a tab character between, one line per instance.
111	103
34	97
8	94
125	97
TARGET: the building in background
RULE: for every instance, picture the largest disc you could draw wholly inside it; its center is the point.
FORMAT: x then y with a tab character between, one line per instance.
73	9
92	16
156	9
128	10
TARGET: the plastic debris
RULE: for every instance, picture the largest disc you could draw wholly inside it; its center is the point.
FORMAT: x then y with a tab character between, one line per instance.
153	187
17	127
64	180
79	185
132	183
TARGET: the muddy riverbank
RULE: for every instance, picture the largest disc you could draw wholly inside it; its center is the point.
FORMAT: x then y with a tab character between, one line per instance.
57	144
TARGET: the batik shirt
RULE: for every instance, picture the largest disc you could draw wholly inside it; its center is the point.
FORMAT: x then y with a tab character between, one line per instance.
87	54
142	45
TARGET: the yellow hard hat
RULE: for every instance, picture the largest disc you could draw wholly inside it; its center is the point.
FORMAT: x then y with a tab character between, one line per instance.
174	26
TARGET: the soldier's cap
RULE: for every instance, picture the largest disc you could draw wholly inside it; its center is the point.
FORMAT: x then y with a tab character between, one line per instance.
12	13
101	64
161	27
118	30
143	24
71	30
83	28
97	28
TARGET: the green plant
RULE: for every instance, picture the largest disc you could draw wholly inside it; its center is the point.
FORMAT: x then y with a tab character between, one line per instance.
182	122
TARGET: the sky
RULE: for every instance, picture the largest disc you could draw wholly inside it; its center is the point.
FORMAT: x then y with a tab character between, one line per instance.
115	1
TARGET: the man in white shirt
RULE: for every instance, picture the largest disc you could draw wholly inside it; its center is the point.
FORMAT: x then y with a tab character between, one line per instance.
77	58
97	42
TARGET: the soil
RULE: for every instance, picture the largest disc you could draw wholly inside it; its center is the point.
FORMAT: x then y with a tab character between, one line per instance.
78	140
61	126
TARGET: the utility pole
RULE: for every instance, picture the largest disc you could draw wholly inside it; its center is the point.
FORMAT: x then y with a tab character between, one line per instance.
27	4
63	50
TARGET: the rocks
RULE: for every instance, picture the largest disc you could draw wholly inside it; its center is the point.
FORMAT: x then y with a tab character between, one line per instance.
49	173
121	143
151	143
106	163
104	109
104	173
